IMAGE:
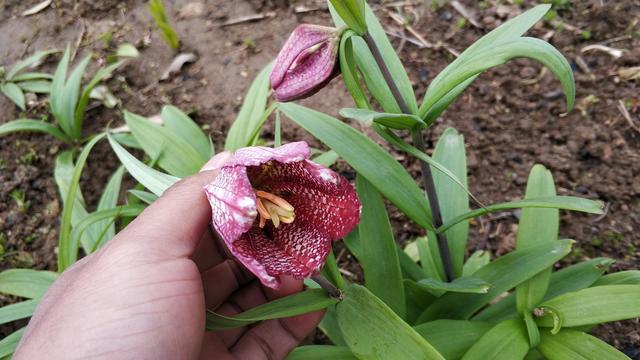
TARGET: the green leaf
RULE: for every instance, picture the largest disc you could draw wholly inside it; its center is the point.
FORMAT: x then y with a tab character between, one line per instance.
109	200
524	47
35	86
173	154
71	97
429	259
576	345
452	338
320	352
183	127
329	326
243	129
393	121
9	344
504	273
630	277
367	158
156	9
28	62
292	305
63	175
452	186
29	125
145	196
17	311
554	202
14	93
460	285
536	226
379	258
508	31
127	50
418	298
572	278
475	262
100	75
150	178
352	13
593	305
533	332
68	252
373	331
350	73
26	283
57	92
505	341
31	76
99	216
441	105
327	158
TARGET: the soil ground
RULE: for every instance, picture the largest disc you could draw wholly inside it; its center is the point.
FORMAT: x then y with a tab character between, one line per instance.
511	117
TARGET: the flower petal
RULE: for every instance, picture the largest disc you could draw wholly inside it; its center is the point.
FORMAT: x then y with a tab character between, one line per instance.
303	37
321	198
233	202
310	76
296	249
258	155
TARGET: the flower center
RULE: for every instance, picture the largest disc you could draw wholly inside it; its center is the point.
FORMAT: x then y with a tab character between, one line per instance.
274	208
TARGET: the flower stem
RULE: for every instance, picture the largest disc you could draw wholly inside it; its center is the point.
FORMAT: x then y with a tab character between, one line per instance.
418	141
327	286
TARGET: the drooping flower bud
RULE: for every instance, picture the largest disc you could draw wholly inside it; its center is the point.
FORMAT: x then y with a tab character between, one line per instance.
306	62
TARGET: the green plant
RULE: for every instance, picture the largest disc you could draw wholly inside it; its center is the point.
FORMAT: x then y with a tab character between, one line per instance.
68	101
20	198
15	82
157	11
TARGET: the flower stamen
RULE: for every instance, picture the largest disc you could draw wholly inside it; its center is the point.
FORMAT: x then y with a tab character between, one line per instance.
274	208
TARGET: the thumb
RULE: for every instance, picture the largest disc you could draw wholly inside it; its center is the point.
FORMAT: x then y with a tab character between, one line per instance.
176	221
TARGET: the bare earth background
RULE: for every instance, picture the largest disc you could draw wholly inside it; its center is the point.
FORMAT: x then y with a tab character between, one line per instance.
511	117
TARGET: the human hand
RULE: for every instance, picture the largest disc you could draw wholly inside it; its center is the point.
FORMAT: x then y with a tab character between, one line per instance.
143	295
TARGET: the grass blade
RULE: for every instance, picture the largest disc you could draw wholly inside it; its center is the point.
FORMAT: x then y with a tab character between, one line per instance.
18	311
26	283
29	125
14	93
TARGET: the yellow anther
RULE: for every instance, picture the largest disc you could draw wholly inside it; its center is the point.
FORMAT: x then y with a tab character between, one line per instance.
274	208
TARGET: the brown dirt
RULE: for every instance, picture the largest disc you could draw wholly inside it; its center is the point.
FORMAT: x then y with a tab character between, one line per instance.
509	121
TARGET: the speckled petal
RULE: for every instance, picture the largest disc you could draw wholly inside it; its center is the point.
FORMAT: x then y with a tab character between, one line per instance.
258	155
233	203
321	198
296	249
303	37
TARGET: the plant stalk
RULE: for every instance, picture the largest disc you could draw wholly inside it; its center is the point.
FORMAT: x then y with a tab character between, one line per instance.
328	287
418	141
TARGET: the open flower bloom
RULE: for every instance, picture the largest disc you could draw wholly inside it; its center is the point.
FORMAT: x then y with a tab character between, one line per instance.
278	212
306	62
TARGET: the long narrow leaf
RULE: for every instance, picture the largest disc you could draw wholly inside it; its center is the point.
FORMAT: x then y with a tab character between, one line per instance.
27	283
379	258
28	62
367	158
452	338
505	341
150	178
29	125
57	92
14	93
300	303
373	331
9	344
503	274
182	126
321	352
241	132
66	252
71	97
109	200
17	311
100	216
592	306
555	202
630	277
100	75
536	226
571	344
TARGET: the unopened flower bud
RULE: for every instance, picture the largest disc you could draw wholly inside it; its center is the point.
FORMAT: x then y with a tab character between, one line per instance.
306	63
